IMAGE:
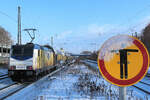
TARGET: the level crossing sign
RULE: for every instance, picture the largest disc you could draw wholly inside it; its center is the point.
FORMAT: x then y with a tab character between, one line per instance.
123	60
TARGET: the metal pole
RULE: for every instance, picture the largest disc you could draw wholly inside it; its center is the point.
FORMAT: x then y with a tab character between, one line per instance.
122	93
136	34
19	26
52	41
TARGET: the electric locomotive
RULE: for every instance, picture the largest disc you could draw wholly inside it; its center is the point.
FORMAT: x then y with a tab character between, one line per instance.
29	61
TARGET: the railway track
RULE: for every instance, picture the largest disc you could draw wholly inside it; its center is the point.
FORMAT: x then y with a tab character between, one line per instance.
91	61
148	74
11	89
141	89
7	86
3	76
144	83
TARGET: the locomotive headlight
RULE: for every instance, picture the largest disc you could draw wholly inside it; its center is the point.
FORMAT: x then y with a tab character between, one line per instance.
12	67
29	67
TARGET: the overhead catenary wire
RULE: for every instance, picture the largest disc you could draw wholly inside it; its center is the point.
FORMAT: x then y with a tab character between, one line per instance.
15	20
11	18
130	19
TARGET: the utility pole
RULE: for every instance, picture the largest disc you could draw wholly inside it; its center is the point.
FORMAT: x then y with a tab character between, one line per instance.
29	30
19	26
52	41
136	34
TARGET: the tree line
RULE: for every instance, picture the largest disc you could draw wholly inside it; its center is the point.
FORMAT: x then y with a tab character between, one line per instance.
145	37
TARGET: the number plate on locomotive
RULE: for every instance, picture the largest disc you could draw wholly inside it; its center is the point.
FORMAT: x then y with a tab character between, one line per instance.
21	67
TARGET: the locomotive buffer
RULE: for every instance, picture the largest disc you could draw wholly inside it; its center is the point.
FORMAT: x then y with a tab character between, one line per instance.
124	61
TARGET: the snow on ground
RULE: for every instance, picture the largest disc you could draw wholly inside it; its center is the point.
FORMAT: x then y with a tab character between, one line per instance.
77	83
132	92
5	82
148	70
146	79
72	83
136	93
3	71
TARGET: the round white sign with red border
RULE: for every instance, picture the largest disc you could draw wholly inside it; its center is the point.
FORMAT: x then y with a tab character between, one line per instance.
123	60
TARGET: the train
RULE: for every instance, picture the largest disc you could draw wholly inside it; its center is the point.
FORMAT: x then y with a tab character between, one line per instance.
30	61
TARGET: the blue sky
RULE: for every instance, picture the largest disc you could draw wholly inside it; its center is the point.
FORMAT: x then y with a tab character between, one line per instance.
76	25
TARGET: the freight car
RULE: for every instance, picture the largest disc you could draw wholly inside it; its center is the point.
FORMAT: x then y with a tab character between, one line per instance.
29	61
61	58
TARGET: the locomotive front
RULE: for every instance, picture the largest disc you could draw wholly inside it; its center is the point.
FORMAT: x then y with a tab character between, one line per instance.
21	61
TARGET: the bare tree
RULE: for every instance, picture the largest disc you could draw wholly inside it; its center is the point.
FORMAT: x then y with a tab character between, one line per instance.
146	36
5	39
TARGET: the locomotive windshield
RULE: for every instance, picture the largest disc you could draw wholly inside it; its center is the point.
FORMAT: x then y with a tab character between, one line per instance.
22	50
